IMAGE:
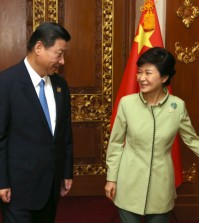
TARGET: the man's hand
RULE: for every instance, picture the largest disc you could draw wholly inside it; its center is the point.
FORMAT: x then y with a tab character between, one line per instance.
65	187
5	195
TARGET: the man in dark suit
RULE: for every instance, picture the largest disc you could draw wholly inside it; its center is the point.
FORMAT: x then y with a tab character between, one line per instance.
36	158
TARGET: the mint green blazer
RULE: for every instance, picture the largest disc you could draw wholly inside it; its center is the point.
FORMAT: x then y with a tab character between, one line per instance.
139	152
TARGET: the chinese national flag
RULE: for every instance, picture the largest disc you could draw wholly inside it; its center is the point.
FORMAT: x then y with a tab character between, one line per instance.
145	38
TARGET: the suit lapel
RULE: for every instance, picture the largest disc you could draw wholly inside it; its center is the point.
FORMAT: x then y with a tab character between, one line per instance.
30	93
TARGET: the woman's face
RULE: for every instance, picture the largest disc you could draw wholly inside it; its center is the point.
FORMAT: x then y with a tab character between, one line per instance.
149	79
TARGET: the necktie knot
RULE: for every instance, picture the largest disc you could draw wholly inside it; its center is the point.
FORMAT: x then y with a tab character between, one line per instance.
42	83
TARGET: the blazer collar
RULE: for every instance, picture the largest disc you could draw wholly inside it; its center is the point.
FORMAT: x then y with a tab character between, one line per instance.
161	102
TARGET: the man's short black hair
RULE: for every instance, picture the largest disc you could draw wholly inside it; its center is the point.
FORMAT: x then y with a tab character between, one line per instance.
48	33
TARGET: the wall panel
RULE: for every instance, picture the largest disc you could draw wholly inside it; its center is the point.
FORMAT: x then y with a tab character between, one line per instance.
182	40
13	32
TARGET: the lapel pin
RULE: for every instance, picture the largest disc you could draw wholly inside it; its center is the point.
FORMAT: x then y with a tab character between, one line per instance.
173	106
58	89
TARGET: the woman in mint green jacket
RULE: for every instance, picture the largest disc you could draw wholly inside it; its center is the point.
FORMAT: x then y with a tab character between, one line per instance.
140	174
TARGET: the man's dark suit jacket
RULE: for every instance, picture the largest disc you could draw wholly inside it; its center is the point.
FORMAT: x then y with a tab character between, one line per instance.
32	160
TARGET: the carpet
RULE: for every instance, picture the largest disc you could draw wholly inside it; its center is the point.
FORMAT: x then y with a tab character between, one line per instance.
86	210
92	209
95	209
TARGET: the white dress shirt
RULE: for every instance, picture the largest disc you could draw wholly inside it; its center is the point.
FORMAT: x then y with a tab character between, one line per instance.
48	92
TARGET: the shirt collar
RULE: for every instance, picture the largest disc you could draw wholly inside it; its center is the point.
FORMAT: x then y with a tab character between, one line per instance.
33	74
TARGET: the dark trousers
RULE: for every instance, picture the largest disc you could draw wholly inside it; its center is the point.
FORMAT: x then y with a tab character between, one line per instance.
12	214
129	217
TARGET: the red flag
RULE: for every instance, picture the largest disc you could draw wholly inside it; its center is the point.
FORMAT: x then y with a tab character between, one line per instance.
148	35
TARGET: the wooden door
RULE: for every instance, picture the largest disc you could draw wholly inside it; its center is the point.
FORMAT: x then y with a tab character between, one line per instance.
182	39
94	66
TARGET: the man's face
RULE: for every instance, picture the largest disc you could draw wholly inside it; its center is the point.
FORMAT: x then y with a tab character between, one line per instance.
51	58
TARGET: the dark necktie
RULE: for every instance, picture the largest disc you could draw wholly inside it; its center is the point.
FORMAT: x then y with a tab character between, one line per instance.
43	101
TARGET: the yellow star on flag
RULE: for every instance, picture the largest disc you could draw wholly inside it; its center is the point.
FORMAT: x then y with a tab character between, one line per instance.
143	38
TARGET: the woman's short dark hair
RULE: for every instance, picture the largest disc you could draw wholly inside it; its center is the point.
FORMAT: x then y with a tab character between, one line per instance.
47	33
162	59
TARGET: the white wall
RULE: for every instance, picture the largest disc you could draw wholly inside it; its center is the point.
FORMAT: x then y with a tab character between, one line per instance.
161	11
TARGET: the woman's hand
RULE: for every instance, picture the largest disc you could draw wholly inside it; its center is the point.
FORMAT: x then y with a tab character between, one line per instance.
110	189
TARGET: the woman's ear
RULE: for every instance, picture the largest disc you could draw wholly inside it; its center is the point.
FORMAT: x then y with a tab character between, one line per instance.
165	78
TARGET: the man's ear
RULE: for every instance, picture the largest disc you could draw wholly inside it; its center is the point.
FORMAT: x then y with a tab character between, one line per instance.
38	47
